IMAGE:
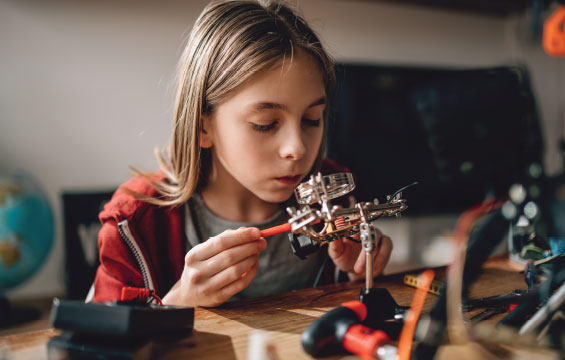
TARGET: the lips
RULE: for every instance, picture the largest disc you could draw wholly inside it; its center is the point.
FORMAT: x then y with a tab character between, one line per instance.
289	180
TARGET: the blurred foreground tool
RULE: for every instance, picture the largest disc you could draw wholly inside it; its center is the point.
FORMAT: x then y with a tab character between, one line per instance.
497	301
341	329
406	338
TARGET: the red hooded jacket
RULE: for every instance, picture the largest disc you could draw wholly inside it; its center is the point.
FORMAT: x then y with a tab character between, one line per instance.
143	245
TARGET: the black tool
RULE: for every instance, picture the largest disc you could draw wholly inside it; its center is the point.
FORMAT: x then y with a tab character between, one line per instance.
498	301
113	330
482	241
120	319
531	301
488	313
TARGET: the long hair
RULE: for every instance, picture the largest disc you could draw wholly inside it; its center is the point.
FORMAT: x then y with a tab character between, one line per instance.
229	43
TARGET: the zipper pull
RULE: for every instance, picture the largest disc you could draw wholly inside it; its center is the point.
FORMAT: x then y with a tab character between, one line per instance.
139	295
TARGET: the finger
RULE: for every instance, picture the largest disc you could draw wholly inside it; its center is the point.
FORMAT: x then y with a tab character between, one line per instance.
336	249
226	240
239	284
232	273
379	235
382	257
359	266
230	257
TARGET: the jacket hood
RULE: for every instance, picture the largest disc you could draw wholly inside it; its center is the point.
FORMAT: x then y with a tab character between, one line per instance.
124	206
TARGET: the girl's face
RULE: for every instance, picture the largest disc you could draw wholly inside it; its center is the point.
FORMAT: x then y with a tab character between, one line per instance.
265	138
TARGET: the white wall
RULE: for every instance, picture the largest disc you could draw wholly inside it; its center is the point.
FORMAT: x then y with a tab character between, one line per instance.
86	88
548	80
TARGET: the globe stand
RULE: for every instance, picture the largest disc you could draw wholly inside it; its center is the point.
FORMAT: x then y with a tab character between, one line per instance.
12	316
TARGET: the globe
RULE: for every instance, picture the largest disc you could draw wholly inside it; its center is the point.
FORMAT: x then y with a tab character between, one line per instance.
26	229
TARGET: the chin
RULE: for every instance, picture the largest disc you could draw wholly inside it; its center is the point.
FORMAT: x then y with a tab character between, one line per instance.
276	197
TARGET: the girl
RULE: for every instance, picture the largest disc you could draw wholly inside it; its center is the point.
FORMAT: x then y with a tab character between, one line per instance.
249	122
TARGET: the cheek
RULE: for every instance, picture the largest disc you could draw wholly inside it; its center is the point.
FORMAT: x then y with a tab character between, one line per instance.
244	150
255	145
314	140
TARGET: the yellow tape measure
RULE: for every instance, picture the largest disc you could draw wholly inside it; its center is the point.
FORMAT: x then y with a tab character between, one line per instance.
412	280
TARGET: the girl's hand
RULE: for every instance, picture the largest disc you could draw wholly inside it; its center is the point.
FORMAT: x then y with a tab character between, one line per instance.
349	257
217	269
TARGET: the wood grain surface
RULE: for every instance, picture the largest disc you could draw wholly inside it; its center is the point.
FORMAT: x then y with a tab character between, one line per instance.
224	332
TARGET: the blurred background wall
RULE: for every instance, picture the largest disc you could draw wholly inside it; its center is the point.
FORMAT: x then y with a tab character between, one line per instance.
86	88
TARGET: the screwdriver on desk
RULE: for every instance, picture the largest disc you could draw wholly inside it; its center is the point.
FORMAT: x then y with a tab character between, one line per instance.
488	313
341	328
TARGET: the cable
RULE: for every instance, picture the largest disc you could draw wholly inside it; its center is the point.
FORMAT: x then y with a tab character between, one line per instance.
480	244
321	270
406	337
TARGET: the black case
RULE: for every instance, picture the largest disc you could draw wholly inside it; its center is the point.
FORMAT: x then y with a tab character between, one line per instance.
120	319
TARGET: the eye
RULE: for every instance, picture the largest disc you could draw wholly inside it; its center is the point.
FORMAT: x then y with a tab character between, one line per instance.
310	122
264	128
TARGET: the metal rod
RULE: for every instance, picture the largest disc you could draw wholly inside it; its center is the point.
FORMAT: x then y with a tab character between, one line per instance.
369	269
371	208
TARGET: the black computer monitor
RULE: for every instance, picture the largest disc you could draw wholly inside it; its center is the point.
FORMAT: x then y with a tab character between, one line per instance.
462	134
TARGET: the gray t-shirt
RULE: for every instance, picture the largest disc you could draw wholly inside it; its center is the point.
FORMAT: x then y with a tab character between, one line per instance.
279	269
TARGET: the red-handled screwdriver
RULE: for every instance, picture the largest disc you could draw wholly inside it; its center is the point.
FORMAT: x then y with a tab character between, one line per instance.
341	328
279	229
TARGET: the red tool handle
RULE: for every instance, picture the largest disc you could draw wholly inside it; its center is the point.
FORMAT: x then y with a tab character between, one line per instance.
363	341
279	229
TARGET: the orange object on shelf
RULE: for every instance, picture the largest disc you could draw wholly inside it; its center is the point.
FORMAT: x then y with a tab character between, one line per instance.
554	33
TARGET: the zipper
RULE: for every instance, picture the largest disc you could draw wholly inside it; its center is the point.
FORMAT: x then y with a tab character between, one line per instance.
127	237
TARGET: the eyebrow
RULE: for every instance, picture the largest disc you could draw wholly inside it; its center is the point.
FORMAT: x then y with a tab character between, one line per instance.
265	105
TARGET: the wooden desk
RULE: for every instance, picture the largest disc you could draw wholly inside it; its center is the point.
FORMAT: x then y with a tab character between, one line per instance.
223	333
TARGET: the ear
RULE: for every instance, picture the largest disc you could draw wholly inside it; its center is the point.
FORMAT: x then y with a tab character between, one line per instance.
205	132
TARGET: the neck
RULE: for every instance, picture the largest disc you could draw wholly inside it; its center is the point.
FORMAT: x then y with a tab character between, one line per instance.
230	200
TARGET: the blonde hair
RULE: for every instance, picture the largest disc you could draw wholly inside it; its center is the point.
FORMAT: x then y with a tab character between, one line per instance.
230	42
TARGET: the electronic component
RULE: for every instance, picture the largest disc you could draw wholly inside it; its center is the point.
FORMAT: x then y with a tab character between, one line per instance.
337	222
120	319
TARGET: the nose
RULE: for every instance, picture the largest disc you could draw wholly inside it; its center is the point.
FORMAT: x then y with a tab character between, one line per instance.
292	146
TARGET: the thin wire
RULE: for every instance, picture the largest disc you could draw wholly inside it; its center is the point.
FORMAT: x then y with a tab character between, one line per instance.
393	195
401	190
